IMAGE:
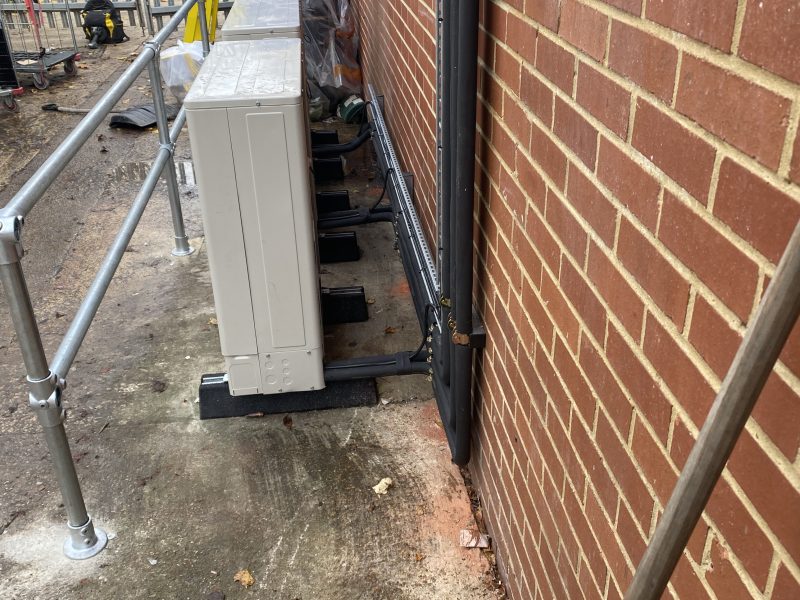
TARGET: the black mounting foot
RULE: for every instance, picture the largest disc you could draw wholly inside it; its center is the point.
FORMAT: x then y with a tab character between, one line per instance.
333	201
327	169
216	401
323	137
338	247
343	305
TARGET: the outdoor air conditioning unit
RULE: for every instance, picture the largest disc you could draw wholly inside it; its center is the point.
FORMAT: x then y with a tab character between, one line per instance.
249	137
261	19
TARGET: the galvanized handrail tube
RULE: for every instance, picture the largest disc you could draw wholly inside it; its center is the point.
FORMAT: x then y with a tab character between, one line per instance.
763	341
182	247
71	343
33	189
84	540
201	13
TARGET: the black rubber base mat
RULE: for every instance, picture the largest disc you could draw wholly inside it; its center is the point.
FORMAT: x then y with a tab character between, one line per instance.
217	403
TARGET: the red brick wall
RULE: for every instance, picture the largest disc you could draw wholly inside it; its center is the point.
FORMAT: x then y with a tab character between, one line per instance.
639	178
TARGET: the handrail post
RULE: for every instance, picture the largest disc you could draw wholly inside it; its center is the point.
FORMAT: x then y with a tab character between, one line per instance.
45	396
201	13
182	247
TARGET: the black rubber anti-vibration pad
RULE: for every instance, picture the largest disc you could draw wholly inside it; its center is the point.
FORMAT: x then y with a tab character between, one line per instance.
217	403
324	137
341	246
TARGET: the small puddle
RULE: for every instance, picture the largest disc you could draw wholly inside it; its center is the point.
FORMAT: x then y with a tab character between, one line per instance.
137	171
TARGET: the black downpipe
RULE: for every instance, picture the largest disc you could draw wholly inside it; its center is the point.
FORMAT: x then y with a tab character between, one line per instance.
463	207
448	108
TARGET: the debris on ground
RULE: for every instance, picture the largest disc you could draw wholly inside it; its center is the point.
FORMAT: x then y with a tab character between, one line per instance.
472	538
158	386
390	330
215	596
213	321
153	562
386	401
244	577
383	486
287	422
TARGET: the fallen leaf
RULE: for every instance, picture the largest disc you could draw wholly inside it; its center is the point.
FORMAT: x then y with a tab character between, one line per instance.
370	300
213	321
153	562
383	486
287	422
390	330
158	386
244	577
419	557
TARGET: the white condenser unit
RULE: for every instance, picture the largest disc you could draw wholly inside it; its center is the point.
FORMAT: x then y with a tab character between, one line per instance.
260	19
249	139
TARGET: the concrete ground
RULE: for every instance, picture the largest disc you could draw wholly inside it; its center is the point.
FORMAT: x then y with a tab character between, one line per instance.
189	503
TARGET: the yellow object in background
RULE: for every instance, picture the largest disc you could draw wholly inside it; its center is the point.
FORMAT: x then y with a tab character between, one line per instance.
192	32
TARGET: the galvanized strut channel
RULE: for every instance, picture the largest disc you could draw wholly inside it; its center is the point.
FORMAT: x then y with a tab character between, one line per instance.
46	383
423	261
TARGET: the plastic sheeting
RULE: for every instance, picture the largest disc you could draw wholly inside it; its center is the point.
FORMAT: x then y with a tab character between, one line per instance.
331	53
180	65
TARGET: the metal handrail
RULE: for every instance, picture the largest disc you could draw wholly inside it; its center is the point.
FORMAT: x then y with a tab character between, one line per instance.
46	383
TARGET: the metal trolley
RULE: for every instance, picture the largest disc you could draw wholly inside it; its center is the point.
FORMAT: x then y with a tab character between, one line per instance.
9	85
39	40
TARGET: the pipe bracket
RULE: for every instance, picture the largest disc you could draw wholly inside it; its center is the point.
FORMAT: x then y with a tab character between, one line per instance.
44	398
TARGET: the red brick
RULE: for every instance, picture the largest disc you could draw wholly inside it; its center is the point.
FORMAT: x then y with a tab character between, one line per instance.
571	234
652	271
773	496
596	469
606	540
516	120
643	390
584	27
562	316
530	181
769	36
786	586
507	68
583	299
686	582
536	312
549	156
555	63
722	103
528	260
675	150
713	338
592	205
543	240
611	397
739	530
513	197
643	58
614	288
624	471
678	371
537	96
654	464
521	36
545	12
722	266
758	212
632	539
778	413
576	132
722	575
604	99
710	23
630	183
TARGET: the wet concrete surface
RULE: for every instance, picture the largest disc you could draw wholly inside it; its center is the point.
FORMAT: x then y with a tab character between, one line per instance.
188	502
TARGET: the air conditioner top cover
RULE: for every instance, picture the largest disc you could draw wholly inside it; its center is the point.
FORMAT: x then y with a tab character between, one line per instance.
264	18
265	72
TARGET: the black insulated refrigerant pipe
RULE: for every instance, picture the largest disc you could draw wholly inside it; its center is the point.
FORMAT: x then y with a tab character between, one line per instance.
462	216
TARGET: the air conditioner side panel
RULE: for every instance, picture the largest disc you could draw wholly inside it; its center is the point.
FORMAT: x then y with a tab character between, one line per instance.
222	221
